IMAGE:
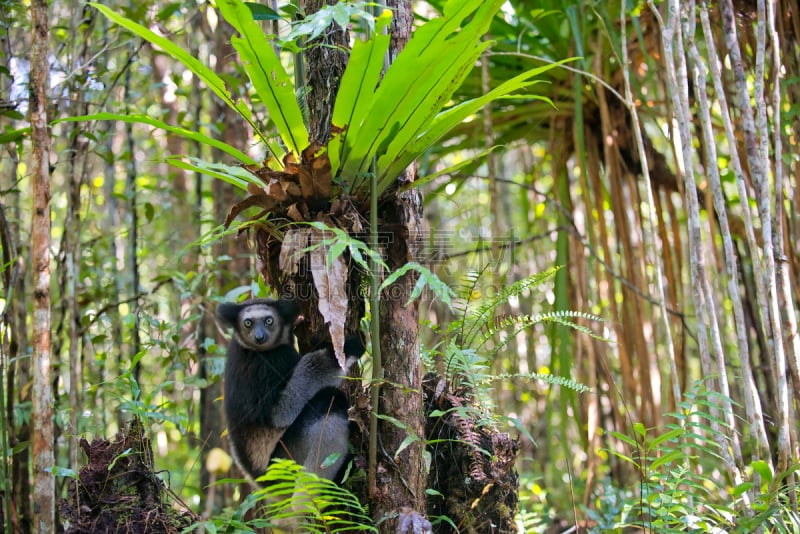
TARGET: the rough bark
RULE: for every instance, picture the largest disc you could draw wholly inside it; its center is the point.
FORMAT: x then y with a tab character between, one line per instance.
401	480
42	417
327	59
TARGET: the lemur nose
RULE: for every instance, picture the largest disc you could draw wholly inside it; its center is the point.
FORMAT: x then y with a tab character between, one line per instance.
260	338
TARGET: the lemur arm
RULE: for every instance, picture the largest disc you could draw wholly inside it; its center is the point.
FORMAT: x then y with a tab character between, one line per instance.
315	371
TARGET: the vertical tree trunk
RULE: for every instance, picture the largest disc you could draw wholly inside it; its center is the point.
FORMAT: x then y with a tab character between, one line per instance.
212	423
400	484
132	263
327	59
17	386
42	417
15	346
76	178
401	481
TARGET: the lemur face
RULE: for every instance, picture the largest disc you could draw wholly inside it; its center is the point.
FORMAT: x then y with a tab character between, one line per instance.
260	324
260	328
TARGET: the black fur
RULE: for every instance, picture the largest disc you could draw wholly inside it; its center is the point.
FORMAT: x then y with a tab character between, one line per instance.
277	401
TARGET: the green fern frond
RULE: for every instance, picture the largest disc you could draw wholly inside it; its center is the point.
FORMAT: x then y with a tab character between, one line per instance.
465	292
521	322
553	380
292	493
485	312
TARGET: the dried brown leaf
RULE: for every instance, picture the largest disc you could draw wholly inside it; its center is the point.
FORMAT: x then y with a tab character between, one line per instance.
306	183
294	243
256	200
330	281
296	212
292	190
275	191
254	189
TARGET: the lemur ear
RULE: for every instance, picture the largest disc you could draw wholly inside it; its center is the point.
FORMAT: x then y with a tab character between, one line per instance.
288	310
228	313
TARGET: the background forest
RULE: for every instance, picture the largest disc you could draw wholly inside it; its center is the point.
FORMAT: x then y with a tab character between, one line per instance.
620	239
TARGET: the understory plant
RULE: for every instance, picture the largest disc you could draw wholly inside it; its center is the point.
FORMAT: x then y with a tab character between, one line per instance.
481	332
293	496
683	482
473	481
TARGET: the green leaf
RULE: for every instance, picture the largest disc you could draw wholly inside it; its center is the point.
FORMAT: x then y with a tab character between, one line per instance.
625	438
183	132
623	457
422	75
124	454
236	176
519	426
428	278
208	76
447	120
330	460
262	12
14	135
411	438
61	471
763	469
672	434
394	421
449	170
357	88
461	60
270	80
741	488
640	429
667	458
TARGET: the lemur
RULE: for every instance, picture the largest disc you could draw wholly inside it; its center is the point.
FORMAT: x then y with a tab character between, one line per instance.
279	403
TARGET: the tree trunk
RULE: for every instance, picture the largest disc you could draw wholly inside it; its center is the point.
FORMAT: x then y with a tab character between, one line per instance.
327	59
76	175
14	345
212	422
401	481
42	416
132	263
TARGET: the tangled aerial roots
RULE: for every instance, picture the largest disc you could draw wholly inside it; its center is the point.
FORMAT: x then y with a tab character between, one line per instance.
118	491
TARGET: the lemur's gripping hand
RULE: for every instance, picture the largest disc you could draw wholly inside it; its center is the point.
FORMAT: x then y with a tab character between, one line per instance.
315	370
323	356
353	348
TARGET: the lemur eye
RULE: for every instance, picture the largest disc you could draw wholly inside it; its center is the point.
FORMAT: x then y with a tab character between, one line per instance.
248	323
268	321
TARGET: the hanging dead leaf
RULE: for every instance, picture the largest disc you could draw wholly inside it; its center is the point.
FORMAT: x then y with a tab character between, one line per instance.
254	189
295	241
306	183
330	281
292	190
310	152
